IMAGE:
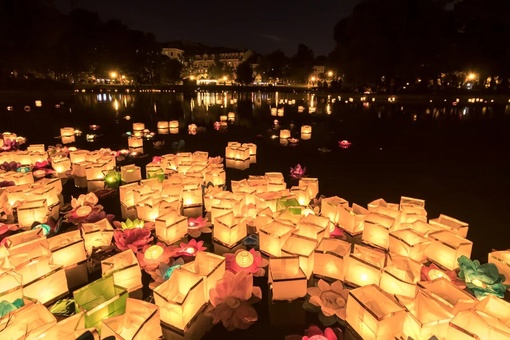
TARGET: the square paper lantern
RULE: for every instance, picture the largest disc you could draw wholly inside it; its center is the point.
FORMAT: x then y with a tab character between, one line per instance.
61	164
97	234
30	212
125	270
426	318
267	200
275	181
407	242
363	266
208	265
330	207
411	213
302	247
171	227
502	261
43	281
31	321
329	258
180	298
400	276
284	133
454	225
374	314
421	227
163	124
312	185
446	248
68	250
192	197
228	231
471	324
252	147
66	132
135	142
376	231
380	202
309	228
496	307
130	173
10	285
216	177
351	219
96	171
448	295
416	202
138	126
99	300
140	321
301	194
286	278
273	236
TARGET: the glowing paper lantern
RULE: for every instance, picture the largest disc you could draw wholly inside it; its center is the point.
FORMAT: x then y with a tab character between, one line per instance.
496	307
228	230
400	276
446	248
140	321
286	278
33	319
376	230
273	236
284	134
125	270
10	284
452	224
30	212
502	261
67	132
209	266
363	266
171	227
98	234
312	185
380	202
135	142
173	124
61	164
216	177
448	295
472	324
407	242
330	207
99	300
426	318
351	219
301	194
130	173
313	226
306	130
43	281
302	247
329	258
180	298
96	171
138	126
373	314
163	124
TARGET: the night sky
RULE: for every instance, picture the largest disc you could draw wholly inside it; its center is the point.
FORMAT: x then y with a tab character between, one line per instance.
261	25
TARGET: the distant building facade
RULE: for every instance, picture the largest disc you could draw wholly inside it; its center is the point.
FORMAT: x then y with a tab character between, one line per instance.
173	53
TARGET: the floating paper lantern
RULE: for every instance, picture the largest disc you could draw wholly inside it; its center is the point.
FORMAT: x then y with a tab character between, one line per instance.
400	276
281	111
98	234
125	270
33	319
306	130
329	258
448	295
273	111
363	266
472	324
312	185
330	207
284	134
209	266
67	132
286	278
373	314
313	226
95	171
301	194
99	300
138	126
376	230
496	307
252	147
30	212
10	285
426	317
273	236
43	281
140	321
180	298
61	165
130	173
135	142
407	242
228	230
231	116
216	177
302	247
173	124
68	139
446	248
352	219
502	261
163	124
452	224
171	227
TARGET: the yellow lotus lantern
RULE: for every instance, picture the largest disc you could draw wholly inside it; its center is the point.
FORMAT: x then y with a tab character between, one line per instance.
208	265
180	298
374	314
286	279
329	258
446	248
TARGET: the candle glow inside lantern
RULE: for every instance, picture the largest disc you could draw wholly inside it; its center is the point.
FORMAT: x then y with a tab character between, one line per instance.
66	132
313	226
135	142
61	164
426	317
284	133
208	265
130	173
329	258
446	248
472	324
216	177
330	207
30	212
363	266
180	298
373	314
407	242
140	321
163	124
400	276
32	321
99	300
138	126
496	307
304	248
94	171
302	195
502	261
286	278
312	185
98	234
452	224
125	270
448	295
228	230
273	236
351	219
376	230
306	130
171	227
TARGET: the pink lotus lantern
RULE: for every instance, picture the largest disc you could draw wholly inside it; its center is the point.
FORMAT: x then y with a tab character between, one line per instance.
249	261
344	144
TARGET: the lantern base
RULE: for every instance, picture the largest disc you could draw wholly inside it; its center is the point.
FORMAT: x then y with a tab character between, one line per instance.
195	329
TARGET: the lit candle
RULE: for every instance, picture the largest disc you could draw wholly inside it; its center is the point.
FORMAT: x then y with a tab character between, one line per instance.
436	274
244	259
83	211
153	252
